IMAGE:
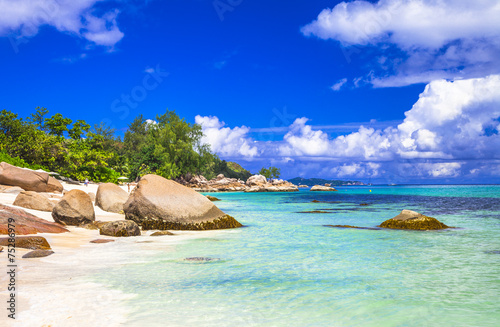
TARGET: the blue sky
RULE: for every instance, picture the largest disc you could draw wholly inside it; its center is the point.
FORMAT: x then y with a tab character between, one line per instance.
386	91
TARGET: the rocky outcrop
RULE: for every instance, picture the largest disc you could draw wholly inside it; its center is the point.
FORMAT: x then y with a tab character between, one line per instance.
28	179
159	203
92	196
212	198
255	183
409	219
33	200
321	188
303	186
38	254
277	185
218	184
75	208
27	242
120	228
256	180
110	197
26	223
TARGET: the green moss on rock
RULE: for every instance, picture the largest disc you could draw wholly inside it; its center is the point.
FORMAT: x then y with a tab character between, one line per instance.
223	222
420	223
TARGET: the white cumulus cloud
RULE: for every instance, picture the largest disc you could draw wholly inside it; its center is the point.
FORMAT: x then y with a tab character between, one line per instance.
419	40
24	18
226	141
452	130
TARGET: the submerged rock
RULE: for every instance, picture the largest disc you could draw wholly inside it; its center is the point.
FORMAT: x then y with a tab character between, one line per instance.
27	242
313	211
212	198
349	226
101	240
159	203
201	259
120	228
38	254
75	208
162	233
409	219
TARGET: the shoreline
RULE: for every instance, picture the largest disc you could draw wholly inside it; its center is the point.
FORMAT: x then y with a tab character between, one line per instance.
81	300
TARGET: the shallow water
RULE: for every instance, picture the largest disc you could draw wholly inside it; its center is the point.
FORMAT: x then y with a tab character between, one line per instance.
285	269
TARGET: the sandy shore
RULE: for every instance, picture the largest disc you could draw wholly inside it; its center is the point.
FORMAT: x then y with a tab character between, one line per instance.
56	291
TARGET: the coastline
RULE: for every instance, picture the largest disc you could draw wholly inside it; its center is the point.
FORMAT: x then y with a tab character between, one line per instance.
59	289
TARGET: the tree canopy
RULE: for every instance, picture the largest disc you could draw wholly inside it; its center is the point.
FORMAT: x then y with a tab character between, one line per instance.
271	172
168	146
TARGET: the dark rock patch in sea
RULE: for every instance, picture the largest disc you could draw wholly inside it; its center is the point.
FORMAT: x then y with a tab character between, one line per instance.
313	211
471	207
200	259
492	252
101	241
349	226
318	201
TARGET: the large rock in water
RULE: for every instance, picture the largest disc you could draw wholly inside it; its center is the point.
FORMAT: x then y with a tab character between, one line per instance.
409	219
75	208
120	228
33	200
28	179
321	188
159	203
110	197
26	223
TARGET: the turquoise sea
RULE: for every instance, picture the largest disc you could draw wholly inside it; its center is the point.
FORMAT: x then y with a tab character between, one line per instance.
286	269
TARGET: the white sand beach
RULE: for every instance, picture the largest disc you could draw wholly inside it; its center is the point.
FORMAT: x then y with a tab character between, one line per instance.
56	291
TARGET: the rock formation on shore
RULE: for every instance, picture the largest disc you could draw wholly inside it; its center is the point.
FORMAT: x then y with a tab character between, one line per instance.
120	228
26	223
27	179
409	219
75	208
27	242
110	197
34	200
159	203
